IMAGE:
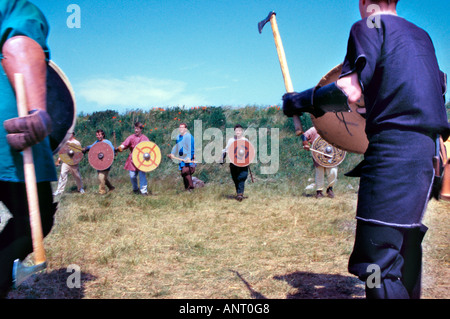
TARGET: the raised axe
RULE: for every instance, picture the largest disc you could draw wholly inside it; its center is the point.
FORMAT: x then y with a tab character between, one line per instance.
21	272
283	63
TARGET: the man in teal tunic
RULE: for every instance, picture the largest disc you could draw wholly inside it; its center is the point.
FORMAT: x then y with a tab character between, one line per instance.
23	48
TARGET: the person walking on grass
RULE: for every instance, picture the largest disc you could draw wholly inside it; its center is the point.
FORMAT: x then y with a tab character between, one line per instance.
130	143
103	174
239	174
185	149
74	170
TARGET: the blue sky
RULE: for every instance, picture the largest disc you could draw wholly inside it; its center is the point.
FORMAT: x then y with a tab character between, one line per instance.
158	53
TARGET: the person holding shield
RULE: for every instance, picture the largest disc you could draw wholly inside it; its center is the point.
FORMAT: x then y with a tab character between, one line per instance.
67	168
239	174
130	143
24	50
185	148
332	172
391	68
103	173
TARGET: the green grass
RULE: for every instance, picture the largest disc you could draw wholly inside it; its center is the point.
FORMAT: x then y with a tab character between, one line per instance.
280	242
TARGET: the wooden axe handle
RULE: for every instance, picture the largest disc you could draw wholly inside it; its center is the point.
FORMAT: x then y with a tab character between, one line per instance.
185	160
284	69
30	178
251	175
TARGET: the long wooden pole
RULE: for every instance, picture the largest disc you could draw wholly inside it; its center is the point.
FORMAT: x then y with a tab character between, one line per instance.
184	160
284	69
30	179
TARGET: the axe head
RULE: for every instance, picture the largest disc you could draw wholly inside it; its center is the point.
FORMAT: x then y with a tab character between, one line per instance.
263	22
21	272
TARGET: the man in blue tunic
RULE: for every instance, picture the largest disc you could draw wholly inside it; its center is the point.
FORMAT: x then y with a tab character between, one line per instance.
391	62
23	47
185	149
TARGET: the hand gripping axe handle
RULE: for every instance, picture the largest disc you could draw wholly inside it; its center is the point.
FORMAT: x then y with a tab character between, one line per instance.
283	63
21	272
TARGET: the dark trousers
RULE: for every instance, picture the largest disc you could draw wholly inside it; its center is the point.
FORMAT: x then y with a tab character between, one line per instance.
15	238
396	253
186	173
239	176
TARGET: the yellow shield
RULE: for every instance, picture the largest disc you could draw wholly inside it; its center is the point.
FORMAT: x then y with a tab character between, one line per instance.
71	154
146	156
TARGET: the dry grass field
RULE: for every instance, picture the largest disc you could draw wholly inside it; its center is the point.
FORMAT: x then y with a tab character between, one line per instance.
279	243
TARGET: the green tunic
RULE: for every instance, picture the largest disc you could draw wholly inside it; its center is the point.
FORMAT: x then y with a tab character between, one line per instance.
20	17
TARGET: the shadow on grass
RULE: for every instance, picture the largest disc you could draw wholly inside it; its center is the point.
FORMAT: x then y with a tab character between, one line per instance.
253	294
315	286
51	285
323	286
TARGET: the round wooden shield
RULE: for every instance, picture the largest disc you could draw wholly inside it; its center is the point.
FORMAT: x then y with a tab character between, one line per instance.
241	153
146	156
61	106
325	154
101	156
447	147
344	130
71	154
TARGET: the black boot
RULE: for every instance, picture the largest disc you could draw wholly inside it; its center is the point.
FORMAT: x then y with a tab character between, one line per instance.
330	192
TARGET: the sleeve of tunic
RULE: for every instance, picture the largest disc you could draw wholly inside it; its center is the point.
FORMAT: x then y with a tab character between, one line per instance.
363	51
23	18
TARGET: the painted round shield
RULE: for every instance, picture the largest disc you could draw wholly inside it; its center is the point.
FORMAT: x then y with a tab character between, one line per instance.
71	153
61	106
344	130
101	156
325	154
146	156
241	153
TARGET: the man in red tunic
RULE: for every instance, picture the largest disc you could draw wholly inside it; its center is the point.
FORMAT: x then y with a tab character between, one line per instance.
131	142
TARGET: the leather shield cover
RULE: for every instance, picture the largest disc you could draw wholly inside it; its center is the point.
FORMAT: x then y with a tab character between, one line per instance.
345	130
